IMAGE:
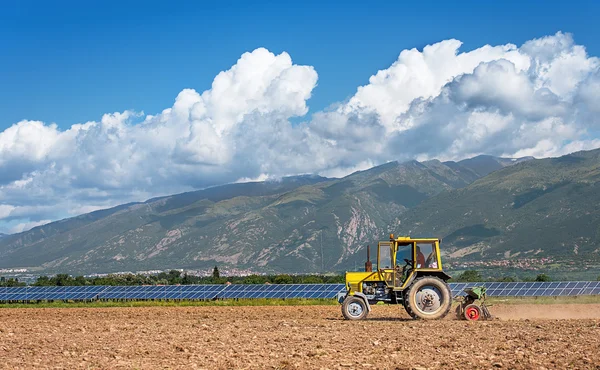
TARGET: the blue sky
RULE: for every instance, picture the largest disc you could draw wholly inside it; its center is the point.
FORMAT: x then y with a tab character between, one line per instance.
72	61
245	91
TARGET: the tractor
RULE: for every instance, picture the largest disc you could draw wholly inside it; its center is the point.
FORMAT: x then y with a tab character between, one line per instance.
408	272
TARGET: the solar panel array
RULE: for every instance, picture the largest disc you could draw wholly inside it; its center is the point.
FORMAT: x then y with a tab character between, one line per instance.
188	292
162	292
533	289
249	291
53	293
282	291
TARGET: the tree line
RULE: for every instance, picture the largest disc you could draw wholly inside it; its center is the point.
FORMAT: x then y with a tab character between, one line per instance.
11	282
472	276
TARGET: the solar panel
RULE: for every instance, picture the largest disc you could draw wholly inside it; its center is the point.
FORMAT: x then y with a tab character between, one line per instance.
112	292
172	292
237	291
163	292
16	294
202	292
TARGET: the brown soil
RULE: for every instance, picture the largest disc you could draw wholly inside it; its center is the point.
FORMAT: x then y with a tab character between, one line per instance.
307	337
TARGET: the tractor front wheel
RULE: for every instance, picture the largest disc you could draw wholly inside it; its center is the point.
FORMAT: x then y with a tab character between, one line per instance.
354	308
428	298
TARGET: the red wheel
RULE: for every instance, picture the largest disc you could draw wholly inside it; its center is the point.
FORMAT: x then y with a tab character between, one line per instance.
472	312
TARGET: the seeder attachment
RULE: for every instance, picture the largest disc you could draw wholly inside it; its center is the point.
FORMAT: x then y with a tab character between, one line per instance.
468	309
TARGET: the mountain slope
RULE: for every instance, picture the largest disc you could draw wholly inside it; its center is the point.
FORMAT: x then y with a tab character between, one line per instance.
546	207
298	224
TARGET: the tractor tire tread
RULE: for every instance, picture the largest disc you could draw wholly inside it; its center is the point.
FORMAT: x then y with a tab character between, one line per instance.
349	299
413	312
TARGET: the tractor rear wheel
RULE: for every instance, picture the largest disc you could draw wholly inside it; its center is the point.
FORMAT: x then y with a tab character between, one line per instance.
428	298
354	308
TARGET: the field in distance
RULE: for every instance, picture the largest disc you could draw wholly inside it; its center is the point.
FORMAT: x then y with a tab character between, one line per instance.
297	337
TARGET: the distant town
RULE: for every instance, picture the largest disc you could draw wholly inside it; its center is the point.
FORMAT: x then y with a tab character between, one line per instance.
520	263
28	276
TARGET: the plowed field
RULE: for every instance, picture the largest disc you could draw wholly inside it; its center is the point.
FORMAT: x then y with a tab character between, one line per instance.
306	337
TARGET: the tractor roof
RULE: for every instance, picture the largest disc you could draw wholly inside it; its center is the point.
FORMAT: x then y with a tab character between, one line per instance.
408	239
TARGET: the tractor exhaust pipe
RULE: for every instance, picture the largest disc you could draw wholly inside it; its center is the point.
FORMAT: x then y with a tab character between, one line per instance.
368	264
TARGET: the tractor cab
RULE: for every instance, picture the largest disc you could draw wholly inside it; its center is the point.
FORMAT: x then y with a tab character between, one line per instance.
400	259
401	262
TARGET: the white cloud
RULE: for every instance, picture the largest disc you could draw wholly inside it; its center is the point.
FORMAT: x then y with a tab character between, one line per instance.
260	178
537	99
558	64
421	75
27	226
5	210
548	148
340	172
588	97
31	140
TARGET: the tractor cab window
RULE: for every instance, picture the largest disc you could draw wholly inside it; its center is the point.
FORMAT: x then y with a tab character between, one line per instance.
403	268
385	256
404	253
426	256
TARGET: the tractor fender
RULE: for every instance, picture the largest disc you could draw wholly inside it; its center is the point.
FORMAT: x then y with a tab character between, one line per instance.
364	298
438	274
413	275
341	296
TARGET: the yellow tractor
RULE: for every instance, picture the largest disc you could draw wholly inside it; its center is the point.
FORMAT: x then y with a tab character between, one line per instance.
408	272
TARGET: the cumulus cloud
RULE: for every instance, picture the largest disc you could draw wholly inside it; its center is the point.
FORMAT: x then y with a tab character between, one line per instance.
25	226
5	210
421	75
538	99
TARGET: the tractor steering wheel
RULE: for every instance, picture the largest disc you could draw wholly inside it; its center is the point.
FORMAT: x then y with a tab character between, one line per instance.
408	266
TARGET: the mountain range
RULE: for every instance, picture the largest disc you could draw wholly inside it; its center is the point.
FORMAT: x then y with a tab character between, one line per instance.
484	208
